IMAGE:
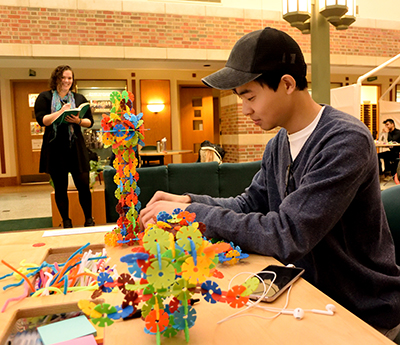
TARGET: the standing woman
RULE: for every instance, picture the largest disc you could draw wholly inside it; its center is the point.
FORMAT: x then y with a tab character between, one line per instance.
63	147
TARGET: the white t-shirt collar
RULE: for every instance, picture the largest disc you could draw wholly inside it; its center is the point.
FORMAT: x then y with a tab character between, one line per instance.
298	139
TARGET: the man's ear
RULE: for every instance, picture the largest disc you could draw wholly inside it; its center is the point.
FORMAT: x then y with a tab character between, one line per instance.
289	83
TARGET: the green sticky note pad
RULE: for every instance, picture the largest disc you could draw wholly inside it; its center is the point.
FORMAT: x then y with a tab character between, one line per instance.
66	330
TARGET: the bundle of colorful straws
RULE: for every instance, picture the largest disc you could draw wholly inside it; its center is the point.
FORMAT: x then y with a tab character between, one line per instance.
78	273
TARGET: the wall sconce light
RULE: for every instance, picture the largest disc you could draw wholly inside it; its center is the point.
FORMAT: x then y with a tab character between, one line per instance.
155	107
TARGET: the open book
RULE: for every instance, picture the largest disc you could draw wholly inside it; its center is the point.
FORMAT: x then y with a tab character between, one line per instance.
81	111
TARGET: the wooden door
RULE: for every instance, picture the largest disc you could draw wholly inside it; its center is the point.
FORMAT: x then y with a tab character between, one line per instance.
29	137
158	125
197	123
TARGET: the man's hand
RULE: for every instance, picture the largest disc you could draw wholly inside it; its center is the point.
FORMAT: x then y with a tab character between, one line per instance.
163	196
162	201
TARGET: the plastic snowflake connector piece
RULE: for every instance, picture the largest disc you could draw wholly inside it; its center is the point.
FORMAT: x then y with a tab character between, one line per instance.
161	277
104	309
235	298
121	313
186	232
88	308
155	236
183	320
163	216
177	211
103	278
210	291
157	321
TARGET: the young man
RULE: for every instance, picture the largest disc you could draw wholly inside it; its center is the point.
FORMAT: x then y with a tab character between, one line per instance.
390	157
316	201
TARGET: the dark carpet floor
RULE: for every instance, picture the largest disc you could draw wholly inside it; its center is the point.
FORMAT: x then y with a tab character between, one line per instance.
26	224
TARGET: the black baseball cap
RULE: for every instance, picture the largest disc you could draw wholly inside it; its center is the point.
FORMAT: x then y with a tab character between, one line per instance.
257	52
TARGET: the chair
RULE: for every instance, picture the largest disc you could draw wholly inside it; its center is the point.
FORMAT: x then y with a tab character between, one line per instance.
151	160
209	154
391	203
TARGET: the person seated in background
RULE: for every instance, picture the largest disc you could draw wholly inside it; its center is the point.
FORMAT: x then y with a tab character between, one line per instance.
210	152
316	201
383	136
390	157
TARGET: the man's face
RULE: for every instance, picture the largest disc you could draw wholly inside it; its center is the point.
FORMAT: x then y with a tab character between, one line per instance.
265	107
389	126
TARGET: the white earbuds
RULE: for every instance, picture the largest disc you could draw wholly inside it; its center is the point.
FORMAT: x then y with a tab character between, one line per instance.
298	313
330	310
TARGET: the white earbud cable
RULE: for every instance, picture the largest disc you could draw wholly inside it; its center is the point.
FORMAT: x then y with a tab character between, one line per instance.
252	305
330	309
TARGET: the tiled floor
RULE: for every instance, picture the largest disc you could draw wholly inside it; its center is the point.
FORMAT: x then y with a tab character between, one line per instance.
28	201
33	201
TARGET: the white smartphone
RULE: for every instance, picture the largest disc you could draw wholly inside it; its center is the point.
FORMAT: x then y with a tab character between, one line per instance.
285	276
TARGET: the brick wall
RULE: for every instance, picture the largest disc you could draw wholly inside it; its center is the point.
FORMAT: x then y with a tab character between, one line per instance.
243	153
28	25
34	25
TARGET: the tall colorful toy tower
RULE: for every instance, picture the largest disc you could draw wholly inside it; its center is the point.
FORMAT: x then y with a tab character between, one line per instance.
124	131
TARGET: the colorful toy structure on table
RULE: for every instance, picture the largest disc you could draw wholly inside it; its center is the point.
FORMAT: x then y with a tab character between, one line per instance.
123	130
171	265
78	273
232	256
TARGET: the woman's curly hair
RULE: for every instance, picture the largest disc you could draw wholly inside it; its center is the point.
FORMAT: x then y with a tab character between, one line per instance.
56	77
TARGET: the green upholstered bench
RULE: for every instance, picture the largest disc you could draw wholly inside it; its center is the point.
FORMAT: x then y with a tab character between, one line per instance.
391	203
217	180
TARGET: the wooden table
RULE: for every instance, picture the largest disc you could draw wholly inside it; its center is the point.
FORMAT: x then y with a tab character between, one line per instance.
160	155
342	328
383	145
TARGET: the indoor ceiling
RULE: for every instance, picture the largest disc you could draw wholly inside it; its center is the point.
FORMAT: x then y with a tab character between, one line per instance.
148	64
159	64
